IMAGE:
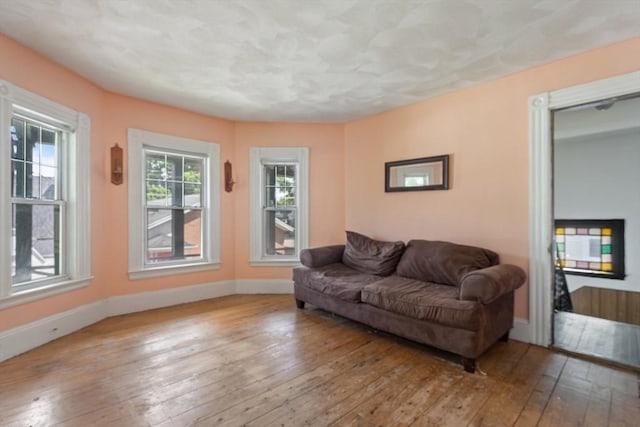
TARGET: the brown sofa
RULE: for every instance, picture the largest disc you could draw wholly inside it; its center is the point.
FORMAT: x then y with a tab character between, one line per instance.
453	297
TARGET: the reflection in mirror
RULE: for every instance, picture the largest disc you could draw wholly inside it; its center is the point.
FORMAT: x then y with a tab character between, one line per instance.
427	173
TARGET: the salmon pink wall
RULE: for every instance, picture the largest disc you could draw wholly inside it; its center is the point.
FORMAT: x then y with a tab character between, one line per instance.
483	128
326	185
29	70
121	113
485	131
111	115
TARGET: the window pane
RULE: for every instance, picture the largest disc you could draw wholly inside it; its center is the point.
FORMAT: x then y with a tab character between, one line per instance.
193	170
290	197
174	234
33	140
270	175
174	167
35	242
285	186
156	193
35	168
175	194
193	195
47	183
17	178
17	139
48	148
155	166
280	233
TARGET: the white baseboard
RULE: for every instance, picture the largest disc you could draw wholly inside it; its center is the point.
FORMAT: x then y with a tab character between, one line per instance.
521	331
264	286
26	337
123	304
31	335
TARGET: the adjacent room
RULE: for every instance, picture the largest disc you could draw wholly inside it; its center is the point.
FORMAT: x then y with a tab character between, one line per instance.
333	212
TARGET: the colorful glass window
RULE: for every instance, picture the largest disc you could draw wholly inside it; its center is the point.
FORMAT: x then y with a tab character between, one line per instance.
591	247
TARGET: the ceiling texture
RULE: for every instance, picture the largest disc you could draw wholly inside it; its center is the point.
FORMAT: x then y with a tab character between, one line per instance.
308	60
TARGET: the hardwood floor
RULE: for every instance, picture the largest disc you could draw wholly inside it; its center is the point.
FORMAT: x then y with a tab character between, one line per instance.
257	360
600	338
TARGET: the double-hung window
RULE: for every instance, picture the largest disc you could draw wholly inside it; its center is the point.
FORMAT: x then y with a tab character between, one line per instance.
44	196
173	204
279	187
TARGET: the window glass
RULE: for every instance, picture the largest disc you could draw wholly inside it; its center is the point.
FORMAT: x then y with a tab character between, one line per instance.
279	217
37	222
173	207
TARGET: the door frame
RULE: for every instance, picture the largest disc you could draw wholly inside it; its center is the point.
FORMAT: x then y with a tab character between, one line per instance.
541	107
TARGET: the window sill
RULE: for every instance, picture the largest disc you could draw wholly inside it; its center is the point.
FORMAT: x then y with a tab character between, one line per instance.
275	263
43	292
172	269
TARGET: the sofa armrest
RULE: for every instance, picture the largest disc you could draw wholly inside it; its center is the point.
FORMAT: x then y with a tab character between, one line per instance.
321	255
487	284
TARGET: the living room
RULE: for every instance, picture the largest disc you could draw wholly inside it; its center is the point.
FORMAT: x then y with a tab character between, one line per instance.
483	127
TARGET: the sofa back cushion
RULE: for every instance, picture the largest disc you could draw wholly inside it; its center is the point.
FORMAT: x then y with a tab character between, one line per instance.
442	262
371	256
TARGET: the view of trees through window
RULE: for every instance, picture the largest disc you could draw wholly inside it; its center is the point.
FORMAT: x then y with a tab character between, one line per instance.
280	209
173	194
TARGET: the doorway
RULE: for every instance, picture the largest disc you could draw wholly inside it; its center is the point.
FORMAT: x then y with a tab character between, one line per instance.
596	229
541	267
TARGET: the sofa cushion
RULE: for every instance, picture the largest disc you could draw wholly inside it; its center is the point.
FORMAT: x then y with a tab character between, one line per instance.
424	301
336	280
371	256
442	262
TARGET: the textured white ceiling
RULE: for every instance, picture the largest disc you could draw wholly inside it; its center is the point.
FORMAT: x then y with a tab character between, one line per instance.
308	60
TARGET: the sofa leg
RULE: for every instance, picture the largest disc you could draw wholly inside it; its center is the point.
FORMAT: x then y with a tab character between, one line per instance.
505	337
299	304
469	364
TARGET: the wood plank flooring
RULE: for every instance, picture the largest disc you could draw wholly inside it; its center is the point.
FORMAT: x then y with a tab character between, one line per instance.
600	338
257	360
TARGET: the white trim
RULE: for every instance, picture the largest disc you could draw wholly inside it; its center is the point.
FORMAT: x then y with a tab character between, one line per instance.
257	157
5	193
123	304
275	263
43	292
264	286
540	207
540	189
137	141
173	269
76	192
31	335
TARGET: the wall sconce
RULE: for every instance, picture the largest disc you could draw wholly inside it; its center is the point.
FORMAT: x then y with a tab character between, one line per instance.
116	165
228	177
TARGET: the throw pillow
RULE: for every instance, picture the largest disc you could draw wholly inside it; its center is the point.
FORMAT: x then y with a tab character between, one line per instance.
371	256
445	263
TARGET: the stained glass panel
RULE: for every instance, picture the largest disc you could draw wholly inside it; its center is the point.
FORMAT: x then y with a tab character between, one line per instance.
591	247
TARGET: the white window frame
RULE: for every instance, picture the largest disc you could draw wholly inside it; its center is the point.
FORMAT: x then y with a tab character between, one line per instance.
75	177
138	141
258	157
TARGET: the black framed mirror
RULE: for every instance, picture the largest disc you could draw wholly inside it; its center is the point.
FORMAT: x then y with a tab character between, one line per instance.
425	173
